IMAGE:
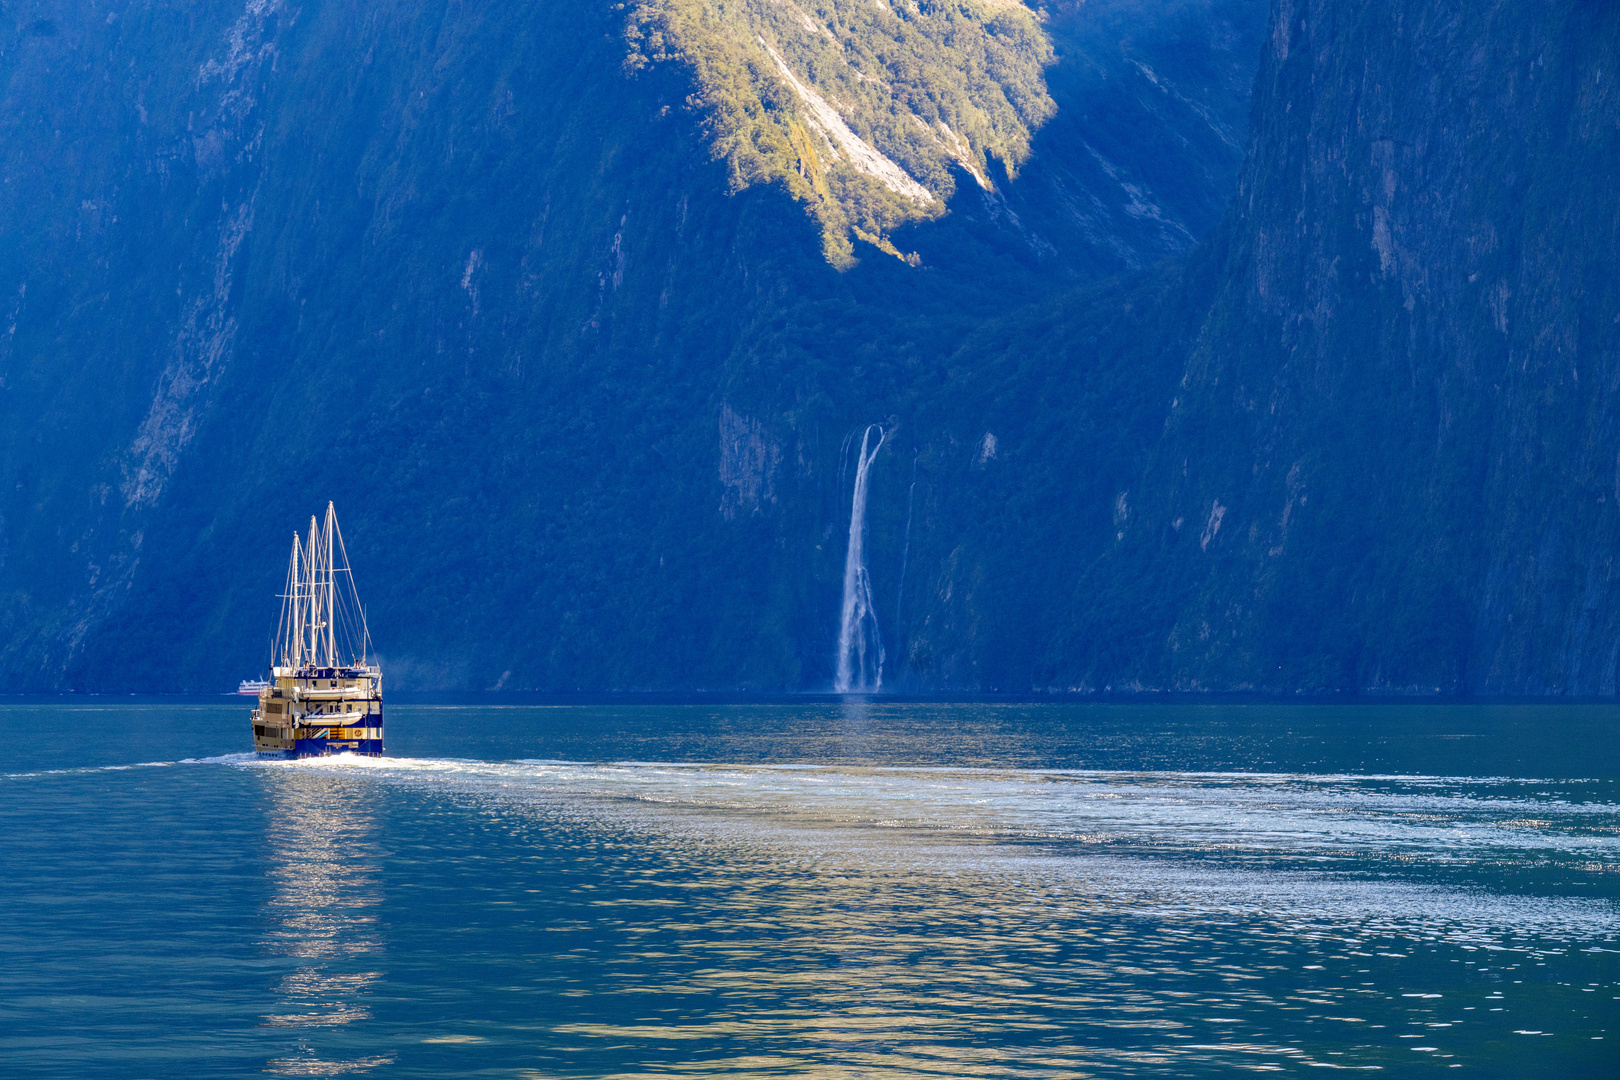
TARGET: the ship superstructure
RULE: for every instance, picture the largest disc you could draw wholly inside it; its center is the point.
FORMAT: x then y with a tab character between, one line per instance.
325	693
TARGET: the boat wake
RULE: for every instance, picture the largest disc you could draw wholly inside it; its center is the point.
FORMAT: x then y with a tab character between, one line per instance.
1432	855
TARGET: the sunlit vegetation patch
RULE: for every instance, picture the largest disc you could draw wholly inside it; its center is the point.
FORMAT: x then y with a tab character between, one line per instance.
863	109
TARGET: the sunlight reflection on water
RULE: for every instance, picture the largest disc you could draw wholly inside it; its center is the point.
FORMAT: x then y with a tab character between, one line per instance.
979	922
325	866
818	891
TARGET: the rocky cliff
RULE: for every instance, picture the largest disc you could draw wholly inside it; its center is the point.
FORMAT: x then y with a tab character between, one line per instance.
477	272
579	311
1393	461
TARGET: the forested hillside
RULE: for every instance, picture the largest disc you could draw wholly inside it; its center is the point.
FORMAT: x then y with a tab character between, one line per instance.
578	312
483	273
861	111
1393	461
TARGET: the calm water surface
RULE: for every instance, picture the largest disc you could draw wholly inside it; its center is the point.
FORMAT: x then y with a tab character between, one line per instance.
814	889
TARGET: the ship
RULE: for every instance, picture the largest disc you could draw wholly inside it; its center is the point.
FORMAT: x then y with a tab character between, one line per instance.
324	694
251	687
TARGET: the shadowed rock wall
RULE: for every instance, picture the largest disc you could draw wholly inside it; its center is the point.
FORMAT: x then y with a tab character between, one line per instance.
1393	462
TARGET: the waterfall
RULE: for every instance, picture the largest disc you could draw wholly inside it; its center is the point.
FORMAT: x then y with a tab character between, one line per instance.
860	646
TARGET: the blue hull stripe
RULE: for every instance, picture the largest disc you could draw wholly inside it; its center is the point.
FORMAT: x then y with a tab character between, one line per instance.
307	748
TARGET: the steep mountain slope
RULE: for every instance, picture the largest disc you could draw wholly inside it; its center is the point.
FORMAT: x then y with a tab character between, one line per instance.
861	111
454	267
485	274
1393	462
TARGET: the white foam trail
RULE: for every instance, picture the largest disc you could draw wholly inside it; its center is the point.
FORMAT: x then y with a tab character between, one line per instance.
858	626
1318	853
89	769
222	759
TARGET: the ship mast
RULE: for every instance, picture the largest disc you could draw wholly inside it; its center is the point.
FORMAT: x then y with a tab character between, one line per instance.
290	634
312	570
331	590
312	607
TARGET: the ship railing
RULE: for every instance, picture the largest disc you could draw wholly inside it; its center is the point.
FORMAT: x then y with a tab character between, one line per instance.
332	693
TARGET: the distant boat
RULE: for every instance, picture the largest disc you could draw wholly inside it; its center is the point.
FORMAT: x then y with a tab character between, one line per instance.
324	695
252	687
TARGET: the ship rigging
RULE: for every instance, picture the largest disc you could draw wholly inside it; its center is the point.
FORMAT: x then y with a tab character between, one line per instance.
325	691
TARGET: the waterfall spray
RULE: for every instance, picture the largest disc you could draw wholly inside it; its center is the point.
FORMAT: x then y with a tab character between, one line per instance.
860	647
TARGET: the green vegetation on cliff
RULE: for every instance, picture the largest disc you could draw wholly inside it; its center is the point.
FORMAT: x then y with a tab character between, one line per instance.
580	408
860	108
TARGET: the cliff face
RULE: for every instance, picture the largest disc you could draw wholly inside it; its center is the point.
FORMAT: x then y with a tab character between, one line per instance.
861	111
1393	462
484	274
452	265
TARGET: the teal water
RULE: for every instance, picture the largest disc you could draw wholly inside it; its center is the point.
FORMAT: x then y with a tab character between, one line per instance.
814	889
